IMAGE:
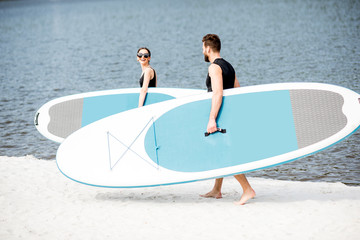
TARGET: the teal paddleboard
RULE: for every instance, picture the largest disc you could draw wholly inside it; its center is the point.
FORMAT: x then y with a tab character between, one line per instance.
165	143
60	117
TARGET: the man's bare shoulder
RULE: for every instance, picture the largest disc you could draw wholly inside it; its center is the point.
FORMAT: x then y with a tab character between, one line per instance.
214	69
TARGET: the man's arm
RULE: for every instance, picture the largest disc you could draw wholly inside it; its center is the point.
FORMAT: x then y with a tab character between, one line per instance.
215	74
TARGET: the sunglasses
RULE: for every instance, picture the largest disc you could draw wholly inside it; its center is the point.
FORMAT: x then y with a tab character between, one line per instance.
145	55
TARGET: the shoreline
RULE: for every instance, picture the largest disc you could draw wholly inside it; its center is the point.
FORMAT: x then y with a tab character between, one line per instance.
38	202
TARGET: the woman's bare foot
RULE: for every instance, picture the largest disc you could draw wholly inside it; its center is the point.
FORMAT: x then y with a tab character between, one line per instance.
249	194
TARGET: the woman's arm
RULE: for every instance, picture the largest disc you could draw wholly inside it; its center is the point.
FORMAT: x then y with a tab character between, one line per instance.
148	74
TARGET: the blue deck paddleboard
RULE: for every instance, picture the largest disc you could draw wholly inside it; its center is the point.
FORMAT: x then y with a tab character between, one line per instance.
60	117
164	143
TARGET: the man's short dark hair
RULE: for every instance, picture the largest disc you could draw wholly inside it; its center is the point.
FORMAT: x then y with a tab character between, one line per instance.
213	41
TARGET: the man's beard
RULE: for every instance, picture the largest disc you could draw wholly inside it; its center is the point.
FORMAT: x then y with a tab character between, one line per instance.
206	58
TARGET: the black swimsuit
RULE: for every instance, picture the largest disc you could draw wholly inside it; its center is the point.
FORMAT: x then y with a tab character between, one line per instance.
152	82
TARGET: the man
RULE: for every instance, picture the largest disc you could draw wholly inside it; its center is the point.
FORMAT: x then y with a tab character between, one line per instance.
221	75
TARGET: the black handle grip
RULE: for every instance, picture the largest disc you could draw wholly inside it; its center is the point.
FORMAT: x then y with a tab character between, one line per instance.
218	130
36	120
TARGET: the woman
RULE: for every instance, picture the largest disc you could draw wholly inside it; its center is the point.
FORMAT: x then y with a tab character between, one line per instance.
148	75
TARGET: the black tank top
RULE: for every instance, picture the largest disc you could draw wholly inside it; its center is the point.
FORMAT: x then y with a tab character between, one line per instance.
152	82
228	74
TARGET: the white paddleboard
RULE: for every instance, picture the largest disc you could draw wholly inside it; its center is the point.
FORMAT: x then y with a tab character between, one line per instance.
60	117
164	143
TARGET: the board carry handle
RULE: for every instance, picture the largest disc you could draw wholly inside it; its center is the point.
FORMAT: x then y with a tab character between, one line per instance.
36	120
218	130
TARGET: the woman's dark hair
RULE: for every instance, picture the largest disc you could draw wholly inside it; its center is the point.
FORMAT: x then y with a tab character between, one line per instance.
145	49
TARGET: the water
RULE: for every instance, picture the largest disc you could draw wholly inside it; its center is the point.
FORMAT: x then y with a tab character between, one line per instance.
50	49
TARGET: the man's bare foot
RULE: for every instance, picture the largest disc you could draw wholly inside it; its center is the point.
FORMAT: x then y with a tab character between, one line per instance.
245	197
212	194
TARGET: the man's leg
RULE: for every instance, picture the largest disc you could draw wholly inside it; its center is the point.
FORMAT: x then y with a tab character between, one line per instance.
248	192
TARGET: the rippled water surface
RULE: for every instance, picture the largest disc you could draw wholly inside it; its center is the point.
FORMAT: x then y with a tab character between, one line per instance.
55	48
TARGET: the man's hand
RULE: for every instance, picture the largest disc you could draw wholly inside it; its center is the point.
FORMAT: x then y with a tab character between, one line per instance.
211	127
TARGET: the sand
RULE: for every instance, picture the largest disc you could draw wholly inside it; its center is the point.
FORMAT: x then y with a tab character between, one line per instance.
38	202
